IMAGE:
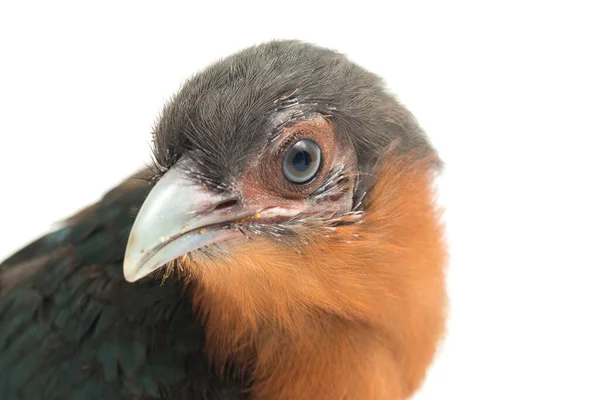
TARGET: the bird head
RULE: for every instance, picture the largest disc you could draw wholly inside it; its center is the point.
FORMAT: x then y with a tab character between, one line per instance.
290	185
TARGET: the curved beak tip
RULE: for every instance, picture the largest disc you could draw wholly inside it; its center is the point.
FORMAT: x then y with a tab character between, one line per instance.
130	278
172	222
129	273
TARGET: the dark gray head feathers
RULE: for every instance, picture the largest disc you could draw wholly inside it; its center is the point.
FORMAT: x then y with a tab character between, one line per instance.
225	114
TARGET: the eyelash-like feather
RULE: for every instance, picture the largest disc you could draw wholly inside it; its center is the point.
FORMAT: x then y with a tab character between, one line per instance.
335	183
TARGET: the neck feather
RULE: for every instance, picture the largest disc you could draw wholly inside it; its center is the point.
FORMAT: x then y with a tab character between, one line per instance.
355	316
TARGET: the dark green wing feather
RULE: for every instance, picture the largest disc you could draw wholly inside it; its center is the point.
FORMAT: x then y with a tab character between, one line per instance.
71	327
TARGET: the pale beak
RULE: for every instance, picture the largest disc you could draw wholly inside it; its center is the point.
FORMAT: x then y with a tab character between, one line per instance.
178	217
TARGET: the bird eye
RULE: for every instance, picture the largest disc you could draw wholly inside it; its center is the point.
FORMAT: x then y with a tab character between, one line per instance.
302	161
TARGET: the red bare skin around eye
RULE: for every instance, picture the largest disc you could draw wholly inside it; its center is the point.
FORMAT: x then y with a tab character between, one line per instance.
264	185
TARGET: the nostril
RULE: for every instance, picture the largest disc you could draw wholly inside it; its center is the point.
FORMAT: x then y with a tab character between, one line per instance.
226	204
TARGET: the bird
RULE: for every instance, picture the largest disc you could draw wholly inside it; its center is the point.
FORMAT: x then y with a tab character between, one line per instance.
285	242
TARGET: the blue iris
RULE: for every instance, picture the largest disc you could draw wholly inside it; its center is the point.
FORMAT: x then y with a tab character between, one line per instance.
302	161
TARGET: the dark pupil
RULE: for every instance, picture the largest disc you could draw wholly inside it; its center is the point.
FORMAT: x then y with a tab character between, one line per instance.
301	161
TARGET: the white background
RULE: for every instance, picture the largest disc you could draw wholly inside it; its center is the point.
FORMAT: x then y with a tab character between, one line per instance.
509	93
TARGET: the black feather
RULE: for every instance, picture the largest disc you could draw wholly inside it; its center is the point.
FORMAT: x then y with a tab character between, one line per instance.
72	328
